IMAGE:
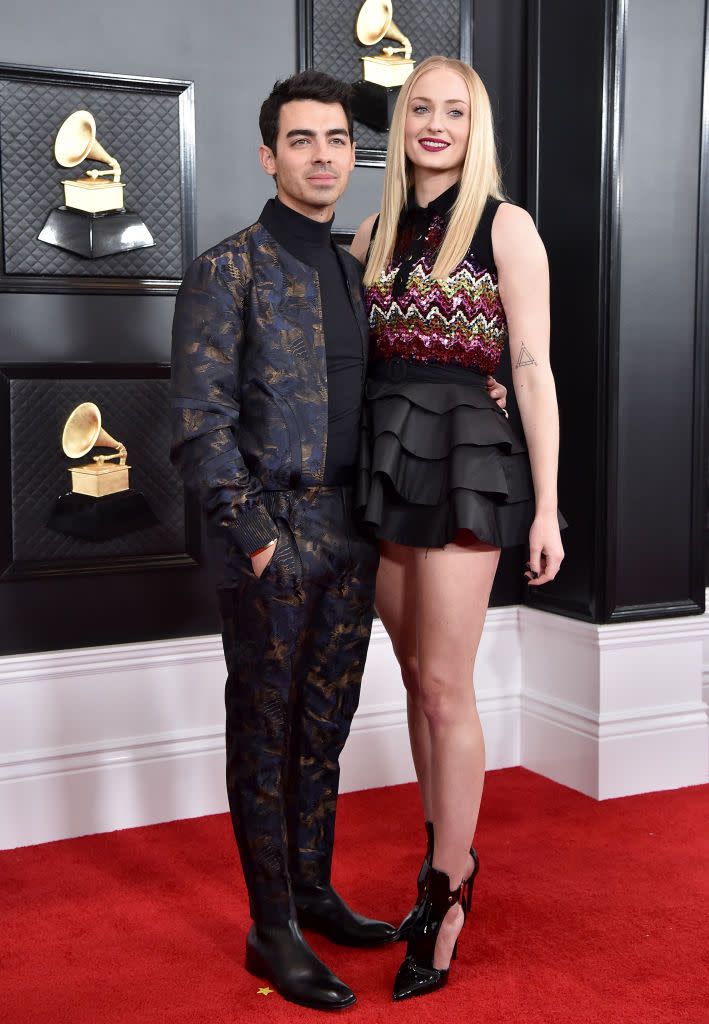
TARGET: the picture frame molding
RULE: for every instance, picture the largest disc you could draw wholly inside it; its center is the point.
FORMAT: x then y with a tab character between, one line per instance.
11	569
73	284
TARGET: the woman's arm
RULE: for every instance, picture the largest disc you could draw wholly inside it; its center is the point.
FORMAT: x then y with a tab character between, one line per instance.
523	276
361	240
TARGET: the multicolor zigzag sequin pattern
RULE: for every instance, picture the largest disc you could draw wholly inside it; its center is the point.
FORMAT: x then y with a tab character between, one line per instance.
458	320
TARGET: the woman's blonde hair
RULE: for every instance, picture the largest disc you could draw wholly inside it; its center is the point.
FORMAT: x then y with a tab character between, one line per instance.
479	178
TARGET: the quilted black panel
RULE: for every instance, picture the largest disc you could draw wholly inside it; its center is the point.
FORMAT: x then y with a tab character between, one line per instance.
140	129
135	412
432	29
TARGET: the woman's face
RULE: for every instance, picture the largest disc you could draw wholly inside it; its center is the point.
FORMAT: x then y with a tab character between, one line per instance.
437	122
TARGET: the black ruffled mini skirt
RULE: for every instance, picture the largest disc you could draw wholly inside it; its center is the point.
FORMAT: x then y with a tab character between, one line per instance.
437	456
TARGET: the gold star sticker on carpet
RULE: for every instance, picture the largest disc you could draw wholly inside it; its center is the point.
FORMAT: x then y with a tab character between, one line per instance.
264	991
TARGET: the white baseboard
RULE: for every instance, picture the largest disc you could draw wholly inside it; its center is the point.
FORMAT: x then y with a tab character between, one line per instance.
614	710
97	739
705	658
114	737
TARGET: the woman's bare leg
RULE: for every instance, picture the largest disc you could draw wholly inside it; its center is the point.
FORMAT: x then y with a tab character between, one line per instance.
396	606
452	592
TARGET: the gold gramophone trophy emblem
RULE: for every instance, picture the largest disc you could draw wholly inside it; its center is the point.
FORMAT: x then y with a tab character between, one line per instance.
385	72
101	476
101	504
93	221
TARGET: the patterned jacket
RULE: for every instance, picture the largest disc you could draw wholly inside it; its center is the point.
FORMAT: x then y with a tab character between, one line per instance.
249	383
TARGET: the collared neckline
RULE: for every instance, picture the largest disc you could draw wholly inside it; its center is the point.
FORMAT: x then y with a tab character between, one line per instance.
441	205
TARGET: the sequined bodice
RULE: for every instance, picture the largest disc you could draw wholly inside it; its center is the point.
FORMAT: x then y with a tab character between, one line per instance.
457	320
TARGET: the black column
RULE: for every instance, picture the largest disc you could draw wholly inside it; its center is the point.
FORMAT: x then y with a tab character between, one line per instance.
703	282
615	142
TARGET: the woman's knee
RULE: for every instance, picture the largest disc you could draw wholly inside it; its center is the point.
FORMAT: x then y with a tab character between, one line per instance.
444	701
410	675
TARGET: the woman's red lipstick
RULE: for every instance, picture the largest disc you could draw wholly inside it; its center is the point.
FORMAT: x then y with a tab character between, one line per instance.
433	145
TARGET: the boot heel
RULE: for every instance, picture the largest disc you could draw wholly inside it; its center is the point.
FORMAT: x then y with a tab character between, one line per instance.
467	900
468	894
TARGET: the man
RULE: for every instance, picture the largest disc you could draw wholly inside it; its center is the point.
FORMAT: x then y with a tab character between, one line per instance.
269	348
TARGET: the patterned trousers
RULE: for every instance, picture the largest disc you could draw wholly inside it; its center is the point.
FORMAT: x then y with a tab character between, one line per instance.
295	642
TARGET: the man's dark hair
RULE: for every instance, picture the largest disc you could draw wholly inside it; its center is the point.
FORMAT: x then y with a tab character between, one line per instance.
306	85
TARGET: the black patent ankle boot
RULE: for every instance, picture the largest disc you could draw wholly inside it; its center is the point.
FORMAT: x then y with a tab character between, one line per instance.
280	954
417	975
405	927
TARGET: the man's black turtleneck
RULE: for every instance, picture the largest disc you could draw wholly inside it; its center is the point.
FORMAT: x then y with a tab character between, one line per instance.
310	242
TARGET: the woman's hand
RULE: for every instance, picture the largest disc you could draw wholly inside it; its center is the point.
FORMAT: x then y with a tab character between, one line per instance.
546	551
498	392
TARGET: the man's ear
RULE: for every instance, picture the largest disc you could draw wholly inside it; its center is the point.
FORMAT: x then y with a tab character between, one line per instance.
267	159
354	154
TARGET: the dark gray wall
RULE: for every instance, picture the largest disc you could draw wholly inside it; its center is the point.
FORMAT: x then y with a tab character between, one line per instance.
500	58
664	57
617	176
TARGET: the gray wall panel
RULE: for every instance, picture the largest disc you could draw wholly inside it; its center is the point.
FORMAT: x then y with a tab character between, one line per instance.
618	163
660	161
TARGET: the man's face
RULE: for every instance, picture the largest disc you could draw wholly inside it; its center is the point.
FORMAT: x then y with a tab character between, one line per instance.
313	159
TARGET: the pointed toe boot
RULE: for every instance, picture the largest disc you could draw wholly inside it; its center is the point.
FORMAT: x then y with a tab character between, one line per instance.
417	976
405	928
280	954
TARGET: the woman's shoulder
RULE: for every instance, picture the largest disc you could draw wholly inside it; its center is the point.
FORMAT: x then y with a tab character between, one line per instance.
513	232
510	219
363	237
500	220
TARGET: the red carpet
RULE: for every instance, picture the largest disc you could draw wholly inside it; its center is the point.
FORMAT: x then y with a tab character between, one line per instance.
584	913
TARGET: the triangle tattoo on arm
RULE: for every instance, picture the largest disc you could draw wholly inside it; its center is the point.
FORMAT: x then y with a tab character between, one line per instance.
525	358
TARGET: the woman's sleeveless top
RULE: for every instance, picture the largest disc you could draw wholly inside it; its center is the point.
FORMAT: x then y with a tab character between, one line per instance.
458	320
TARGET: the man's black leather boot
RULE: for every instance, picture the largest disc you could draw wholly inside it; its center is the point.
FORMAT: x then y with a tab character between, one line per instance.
280	954
320	908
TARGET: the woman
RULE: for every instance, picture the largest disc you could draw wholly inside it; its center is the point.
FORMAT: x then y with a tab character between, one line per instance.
453	272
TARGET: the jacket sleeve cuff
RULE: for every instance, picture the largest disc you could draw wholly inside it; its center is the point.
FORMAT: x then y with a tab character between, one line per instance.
253	529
